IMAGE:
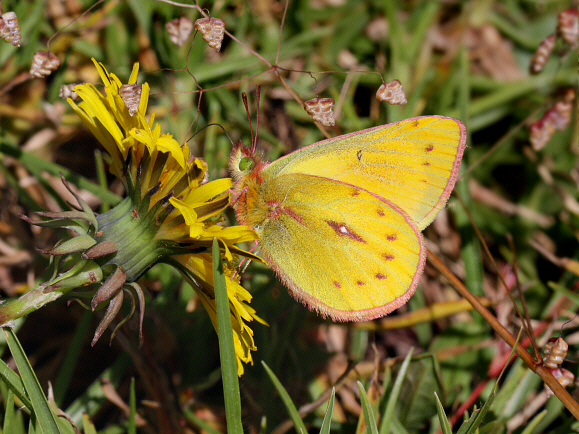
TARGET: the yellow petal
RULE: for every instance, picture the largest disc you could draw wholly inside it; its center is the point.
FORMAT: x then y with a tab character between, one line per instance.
134	73
208	191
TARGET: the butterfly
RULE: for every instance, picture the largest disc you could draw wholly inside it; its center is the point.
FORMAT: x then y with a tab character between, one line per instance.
340	221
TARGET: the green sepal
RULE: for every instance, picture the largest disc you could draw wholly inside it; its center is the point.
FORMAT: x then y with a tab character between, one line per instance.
75	244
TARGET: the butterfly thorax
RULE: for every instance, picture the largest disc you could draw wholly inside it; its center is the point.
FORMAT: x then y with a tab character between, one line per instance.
249	205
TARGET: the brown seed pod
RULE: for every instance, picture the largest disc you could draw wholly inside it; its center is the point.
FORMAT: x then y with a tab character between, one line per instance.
563	376
131	95
391	92
320	109
179	30
67	91
212	30
43	63
568	26
554	352
542	55
9	28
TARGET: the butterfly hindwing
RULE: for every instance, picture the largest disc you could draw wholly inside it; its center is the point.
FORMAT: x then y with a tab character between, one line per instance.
413	163
342	250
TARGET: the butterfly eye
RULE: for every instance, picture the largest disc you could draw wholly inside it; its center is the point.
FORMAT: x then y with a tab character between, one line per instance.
245	164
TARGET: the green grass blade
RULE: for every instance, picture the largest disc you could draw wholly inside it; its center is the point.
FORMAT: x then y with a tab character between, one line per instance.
101	177
226	350
369	419
93	397
45	418
444	423
37	166
132	428
325	429
200	423
263	425
391	404
9	413
14	383
87	425
472	424
287	401
69	363
531	426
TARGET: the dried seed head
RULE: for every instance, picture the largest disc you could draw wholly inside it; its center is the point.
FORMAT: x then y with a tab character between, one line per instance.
560	115
540	133
9	28
320	109
563	376
554	352
568	26
131	95
212	30
556	118
542	55
67	91
179	30
391	92
43	63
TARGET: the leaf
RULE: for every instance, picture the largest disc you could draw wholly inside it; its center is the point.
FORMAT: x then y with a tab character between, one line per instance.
394	394
325	429
369	419
416	404
45	419
226	349
444	423
287	401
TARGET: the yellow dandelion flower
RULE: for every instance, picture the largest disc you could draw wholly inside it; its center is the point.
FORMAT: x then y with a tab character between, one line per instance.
171	214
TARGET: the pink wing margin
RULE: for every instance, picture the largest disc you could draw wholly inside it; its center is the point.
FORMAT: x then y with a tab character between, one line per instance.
453	173
355	315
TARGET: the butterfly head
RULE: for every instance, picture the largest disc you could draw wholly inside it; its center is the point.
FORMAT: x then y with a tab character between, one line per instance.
245	163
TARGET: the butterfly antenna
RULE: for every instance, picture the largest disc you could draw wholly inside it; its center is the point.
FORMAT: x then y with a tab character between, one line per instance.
565	323
257	97
244	98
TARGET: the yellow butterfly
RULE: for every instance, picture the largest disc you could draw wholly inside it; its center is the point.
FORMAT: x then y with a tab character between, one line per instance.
340	221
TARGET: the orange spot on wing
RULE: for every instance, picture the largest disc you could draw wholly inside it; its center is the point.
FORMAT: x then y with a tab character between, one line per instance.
426	163
380	276
344	231
337	284
429	148
388	256
380	212
359	283
415	123
391	237
356	192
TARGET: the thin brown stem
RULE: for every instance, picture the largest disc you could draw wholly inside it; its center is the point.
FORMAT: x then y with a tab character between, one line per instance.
492	259
526	319
538	368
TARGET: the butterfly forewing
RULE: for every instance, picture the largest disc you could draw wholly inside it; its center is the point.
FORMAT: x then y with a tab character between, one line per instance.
413	163
342	250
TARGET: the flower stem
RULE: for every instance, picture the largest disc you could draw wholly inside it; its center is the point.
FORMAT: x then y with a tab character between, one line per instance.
27	303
